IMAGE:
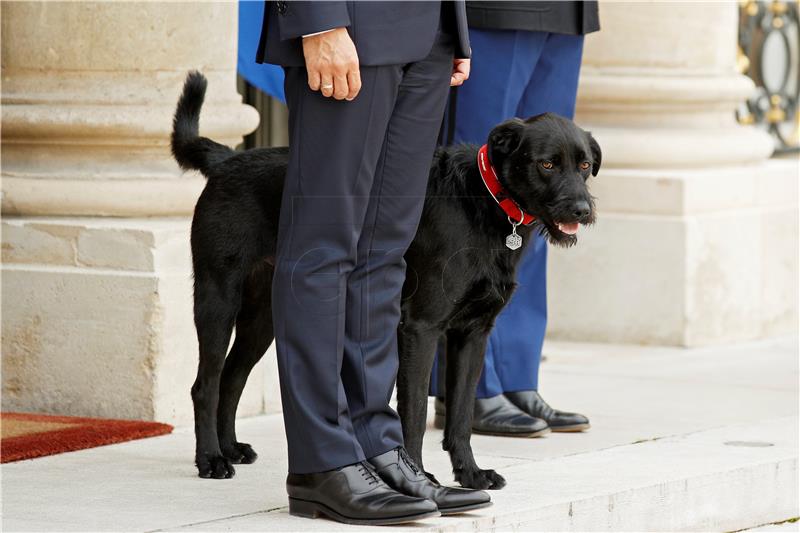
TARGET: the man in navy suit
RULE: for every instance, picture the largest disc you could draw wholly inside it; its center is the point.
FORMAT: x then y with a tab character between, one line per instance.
527	58
366	85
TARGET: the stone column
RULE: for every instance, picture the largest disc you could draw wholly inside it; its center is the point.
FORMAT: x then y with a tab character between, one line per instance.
96	262
696	241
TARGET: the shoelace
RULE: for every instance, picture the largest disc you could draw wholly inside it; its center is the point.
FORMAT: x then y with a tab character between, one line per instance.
408	461
368	474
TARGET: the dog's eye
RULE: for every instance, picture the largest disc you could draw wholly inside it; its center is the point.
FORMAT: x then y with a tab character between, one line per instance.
585	165
547	164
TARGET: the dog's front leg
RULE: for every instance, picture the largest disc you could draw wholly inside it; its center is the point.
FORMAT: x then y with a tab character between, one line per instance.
417	347
465	351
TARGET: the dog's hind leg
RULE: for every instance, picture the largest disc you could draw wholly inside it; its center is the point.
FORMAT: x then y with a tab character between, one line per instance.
215	307
417	348
465	351
254	334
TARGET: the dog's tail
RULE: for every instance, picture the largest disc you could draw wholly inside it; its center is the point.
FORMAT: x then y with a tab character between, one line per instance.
189	149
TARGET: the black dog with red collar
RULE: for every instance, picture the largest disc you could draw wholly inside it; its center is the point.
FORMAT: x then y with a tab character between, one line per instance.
530	176
460	272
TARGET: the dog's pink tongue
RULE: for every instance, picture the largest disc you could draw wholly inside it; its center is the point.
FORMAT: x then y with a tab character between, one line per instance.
569	229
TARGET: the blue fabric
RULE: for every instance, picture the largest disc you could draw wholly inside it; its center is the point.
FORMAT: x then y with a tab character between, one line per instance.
268	78
351	205
516	73
384	33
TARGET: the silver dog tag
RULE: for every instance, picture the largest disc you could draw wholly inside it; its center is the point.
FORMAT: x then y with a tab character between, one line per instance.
514	240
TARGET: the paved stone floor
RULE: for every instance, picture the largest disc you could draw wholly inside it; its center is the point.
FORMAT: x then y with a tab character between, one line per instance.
702	439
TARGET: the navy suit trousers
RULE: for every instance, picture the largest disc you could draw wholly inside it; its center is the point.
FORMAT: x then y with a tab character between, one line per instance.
354	193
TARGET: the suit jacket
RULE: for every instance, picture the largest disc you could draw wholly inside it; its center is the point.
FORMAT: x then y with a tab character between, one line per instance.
576	18
384	33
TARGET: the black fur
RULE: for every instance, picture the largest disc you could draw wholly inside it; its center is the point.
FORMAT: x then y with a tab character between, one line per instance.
459	272
189	149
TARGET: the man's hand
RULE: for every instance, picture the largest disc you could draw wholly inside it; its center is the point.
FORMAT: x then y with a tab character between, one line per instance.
332	64
460	72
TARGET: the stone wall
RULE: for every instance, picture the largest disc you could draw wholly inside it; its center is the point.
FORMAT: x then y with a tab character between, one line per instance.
96	280
697	232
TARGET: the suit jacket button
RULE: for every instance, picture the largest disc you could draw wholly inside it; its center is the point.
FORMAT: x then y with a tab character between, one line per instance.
282	7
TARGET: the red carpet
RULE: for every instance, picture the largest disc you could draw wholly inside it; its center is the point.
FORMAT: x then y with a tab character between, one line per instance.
25	435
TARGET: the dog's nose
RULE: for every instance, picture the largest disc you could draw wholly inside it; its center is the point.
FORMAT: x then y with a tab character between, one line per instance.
581	209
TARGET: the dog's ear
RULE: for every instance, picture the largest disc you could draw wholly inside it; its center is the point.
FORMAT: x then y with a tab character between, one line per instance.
597	154
504	139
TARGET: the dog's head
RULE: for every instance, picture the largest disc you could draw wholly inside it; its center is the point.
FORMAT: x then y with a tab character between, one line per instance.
543	162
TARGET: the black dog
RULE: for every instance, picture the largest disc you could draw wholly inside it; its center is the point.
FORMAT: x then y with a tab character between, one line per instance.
460	270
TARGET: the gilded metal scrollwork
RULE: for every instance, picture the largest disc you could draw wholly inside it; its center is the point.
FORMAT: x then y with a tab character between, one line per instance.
769	52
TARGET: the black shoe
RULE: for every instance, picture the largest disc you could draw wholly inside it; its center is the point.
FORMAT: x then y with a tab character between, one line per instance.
497	416
400	472
354	494
534	405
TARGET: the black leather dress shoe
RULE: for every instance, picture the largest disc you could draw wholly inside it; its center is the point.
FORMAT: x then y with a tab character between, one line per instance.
400	472
497	416
534	405
354	494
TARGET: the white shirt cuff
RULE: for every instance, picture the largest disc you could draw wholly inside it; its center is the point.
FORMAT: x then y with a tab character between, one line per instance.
319	33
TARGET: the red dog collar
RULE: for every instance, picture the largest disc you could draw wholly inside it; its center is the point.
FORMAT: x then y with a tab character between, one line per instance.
506	203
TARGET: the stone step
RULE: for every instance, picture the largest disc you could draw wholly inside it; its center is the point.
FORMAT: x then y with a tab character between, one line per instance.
690	440
724	479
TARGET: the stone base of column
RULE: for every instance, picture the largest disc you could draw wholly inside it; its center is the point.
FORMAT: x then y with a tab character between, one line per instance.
97	320
682	257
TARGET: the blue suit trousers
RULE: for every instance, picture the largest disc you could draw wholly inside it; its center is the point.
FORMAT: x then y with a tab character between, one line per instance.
352	200
516	73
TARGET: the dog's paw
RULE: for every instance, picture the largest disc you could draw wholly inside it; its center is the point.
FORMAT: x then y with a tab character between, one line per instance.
480	479
240	453
214	466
